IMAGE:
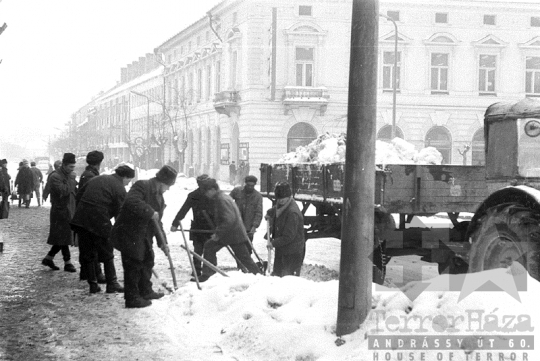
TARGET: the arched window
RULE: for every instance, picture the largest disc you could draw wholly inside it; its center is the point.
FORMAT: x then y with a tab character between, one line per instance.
478	148
439	138
300	134
385	133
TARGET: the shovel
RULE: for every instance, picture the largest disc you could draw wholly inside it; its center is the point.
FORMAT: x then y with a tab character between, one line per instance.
190	258
163	240
163	283
269	247
263	265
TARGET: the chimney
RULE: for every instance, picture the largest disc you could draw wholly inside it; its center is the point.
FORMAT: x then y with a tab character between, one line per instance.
123	75
150	61
142	65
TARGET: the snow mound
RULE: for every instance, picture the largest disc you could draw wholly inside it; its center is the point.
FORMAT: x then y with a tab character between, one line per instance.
330	148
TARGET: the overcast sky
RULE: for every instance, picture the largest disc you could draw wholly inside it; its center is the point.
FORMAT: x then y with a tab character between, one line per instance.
57	54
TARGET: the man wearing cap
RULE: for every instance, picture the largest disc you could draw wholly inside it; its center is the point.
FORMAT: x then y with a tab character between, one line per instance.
24	181
199	205
93	159
250	204
229	230
287	232
97	202
133	232
63	188
38	181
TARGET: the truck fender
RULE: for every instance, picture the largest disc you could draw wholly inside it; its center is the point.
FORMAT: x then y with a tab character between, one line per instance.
526	196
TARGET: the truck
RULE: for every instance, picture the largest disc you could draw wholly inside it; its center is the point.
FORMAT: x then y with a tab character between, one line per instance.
503	197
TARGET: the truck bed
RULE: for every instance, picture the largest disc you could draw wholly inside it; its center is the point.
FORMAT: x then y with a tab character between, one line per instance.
399	188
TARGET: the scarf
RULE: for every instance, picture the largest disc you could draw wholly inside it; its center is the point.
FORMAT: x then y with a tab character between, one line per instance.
281	209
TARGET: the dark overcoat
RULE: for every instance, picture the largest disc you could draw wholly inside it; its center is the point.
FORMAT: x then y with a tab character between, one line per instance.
89	173
133	230
198	203
229	226
24	181
63	189
288	230
5	187
250	206
97	202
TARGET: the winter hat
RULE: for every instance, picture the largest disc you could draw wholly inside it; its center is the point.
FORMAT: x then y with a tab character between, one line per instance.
33	164
250	178
94	157
201	179
209	183
282	190
25	162
3	161
167	175
69	158
125	171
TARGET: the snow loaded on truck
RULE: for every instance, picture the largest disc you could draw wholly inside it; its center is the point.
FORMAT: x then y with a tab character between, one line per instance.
503	195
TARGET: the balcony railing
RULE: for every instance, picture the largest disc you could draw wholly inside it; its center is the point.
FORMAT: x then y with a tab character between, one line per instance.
301	96
227	101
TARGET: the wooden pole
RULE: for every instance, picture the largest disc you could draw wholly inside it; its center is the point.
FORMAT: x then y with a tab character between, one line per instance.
355	278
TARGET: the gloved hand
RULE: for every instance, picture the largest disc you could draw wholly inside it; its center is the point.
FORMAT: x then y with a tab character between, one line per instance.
174	228
164	248
270	213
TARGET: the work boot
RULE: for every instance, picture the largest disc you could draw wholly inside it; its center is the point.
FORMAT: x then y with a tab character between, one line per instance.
138	303
202	278
153	296
91	277
49	262
110	274
68	267
99	274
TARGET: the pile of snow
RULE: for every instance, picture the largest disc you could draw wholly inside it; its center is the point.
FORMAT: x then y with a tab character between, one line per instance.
330	148
268	318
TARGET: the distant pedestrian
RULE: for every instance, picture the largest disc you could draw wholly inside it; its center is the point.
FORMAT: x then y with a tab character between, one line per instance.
93	159
232	173
287	232
250	204
229	231
24	183
63	188
47	188
97	202
5	189
133	232
38	181
199	204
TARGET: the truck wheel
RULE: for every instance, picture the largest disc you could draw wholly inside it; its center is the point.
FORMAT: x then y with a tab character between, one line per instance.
506	233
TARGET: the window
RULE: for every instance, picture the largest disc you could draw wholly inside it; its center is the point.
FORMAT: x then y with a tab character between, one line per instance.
394	15
207	35
439	138
489	19
169	58
304	66
183	89
199	85
304	10
532	76
478	144
385	133
234	18
189	46
182	49
388	70
439	73
535	21
441	18
208	81
486	74
217	84
190	90
300	134
198	41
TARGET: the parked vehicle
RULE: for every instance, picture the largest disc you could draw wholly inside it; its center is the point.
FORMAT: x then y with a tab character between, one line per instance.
503	195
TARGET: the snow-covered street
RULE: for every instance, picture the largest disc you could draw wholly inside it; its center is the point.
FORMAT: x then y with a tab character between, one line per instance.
49	315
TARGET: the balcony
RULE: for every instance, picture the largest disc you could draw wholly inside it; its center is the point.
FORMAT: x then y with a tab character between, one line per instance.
226	102
295	97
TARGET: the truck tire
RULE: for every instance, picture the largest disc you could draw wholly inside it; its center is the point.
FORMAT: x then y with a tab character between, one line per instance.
506	233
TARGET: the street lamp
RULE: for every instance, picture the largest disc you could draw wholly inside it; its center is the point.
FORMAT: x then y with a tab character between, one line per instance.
394	76
148	100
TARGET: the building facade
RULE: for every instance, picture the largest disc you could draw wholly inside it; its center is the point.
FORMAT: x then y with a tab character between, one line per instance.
256	78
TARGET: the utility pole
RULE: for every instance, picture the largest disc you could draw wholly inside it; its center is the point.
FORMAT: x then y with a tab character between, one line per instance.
355	279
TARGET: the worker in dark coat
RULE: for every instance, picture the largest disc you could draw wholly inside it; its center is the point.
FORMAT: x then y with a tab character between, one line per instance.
38	181
5	187
63	187
47	188
202	209
250	204
24	183
229	231
97	202
133	232
93	159
287	232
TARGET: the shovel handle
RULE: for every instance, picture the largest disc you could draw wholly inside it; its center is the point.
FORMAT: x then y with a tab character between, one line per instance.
163	240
